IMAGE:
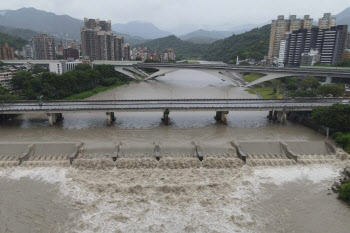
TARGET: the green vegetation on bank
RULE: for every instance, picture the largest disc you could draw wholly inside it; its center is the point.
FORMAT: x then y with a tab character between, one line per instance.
250	77
344	192
5	95
50	86
267	92
337	118
96	90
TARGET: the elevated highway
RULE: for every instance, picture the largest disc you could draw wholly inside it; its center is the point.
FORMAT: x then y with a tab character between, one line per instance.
133	69
279	107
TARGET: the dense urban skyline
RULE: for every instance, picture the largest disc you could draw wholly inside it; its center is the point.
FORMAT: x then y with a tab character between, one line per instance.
218	15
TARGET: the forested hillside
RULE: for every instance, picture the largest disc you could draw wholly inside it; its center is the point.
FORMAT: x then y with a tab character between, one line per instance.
13	41
183	49
252	44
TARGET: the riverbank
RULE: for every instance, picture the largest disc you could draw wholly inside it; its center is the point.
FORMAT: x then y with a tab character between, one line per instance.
96	90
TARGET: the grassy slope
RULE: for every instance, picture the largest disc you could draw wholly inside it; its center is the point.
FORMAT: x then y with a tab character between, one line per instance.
96	90
252	77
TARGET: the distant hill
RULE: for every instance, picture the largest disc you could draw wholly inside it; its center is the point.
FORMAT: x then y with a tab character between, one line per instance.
18	32
25	21
60	26
343	18
252	44
140	29
13	41
207	34
183	49
201	40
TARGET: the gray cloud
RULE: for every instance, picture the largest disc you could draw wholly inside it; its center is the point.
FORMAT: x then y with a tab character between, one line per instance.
192	14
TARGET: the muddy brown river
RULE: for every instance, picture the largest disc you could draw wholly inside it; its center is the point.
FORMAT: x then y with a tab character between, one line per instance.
220	194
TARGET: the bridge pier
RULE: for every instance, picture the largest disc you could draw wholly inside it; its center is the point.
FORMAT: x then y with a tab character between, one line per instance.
282	117
54	118
329	79
5	117
110	118
165	117
221	116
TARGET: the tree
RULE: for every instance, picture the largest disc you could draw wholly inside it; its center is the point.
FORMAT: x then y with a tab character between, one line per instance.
335	90
335	117
83	67
292	86
304	93
38	69
310	82
343	63
244	63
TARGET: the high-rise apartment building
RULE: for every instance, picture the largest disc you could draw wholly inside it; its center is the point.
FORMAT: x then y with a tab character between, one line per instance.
44	47
70	53
27	52
105	45
348	41
6	52
280	27
327	21
327	45
99	43
126	52
307	22
119	47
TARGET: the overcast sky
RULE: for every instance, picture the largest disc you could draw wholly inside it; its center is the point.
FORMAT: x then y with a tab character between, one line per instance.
174	14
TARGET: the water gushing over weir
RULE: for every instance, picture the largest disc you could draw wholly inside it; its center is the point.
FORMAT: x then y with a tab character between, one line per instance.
166	156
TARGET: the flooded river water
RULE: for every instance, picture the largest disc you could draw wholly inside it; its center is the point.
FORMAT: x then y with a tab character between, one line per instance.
183	195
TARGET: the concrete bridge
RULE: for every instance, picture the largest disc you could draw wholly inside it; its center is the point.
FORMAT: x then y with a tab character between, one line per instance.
133	69
277	108
231	71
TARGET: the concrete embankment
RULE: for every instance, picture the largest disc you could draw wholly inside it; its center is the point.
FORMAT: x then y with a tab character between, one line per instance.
172	156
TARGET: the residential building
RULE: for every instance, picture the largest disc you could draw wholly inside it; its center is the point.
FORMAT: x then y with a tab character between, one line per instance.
6	52
310	58
348	41
280	27
283	53
44	47
118	46
307	22
105	45
5	79
98	41
325	46
327	21
70	53
89	43
126	52
27	52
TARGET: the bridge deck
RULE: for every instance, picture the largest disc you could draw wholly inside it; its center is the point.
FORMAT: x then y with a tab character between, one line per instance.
172	105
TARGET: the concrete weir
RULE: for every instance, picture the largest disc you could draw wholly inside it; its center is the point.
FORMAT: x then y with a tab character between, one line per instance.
22	153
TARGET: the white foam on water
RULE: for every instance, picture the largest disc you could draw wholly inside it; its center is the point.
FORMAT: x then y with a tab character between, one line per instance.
161	200
280	175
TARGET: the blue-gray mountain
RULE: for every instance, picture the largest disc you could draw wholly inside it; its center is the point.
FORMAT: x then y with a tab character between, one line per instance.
60	26
344	17
140	29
